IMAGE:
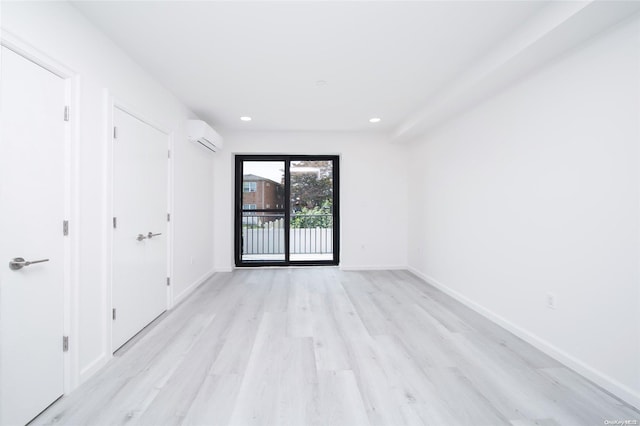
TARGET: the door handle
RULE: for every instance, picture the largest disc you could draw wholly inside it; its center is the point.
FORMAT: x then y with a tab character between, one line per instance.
19	263
140	237
151	234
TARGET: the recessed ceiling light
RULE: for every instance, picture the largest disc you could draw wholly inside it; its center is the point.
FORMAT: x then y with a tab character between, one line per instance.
374	120
321	83
245	118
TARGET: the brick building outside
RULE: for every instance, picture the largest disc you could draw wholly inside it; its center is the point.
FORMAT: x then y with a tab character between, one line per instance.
261	193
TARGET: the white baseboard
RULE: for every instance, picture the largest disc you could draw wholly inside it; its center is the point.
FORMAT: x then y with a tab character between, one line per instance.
373	268
223	269
187	291
92	368
620	390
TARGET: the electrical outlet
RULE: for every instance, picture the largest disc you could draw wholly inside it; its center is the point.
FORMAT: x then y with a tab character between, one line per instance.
551	301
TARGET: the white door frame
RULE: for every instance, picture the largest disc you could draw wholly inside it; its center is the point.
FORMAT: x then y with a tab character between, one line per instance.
71	201
111	104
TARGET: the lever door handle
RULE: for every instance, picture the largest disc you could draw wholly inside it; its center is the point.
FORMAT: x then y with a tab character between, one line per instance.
19	263
151	234
140	237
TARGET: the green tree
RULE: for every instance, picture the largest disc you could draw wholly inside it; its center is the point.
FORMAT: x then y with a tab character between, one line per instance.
311	184
317	217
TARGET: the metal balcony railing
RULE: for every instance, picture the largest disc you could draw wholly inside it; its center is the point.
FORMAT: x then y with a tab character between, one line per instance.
309	234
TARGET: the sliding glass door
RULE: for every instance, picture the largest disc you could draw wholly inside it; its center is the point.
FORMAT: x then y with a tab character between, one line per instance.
286	210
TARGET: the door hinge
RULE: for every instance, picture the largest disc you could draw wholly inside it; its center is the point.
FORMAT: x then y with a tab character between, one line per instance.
115	223
65	343
115	132
65	227
113	314
169	154
66	113
168	281
168	217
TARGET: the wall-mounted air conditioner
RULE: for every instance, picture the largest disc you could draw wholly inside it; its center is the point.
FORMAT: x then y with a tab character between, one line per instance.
200	132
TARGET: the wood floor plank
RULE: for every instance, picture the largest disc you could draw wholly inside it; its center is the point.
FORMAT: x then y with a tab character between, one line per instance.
376	387
340	402
299	313
360	292
595	402
331	353
174	396
213	405
320	346
278	298
416	394
280	381
239	327
536	422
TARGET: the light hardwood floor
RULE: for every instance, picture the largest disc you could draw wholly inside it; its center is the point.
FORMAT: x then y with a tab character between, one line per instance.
319	346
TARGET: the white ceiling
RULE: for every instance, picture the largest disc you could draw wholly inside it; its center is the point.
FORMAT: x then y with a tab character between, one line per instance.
263	59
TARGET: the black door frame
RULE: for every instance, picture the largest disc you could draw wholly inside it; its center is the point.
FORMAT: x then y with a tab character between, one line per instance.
238	210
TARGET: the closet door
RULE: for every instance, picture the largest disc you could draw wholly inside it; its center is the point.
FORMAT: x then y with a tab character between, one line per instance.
140	199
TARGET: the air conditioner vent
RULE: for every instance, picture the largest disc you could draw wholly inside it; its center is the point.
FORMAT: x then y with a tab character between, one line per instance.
200	132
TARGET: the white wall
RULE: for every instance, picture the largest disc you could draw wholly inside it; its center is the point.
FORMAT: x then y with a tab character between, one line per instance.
373	196
537	191
60	32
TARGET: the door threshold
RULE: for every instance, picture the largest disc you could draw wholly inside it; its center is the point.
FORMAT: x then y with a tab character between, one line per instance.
286	267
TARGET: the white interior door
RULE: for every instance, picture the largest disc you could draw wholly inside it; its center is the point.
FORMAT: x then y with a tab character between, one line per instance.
140	195
32	196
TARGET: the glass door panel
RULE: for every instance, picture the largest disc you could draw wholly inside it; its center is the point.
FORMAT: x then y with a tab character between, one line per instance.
311	221
263	211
